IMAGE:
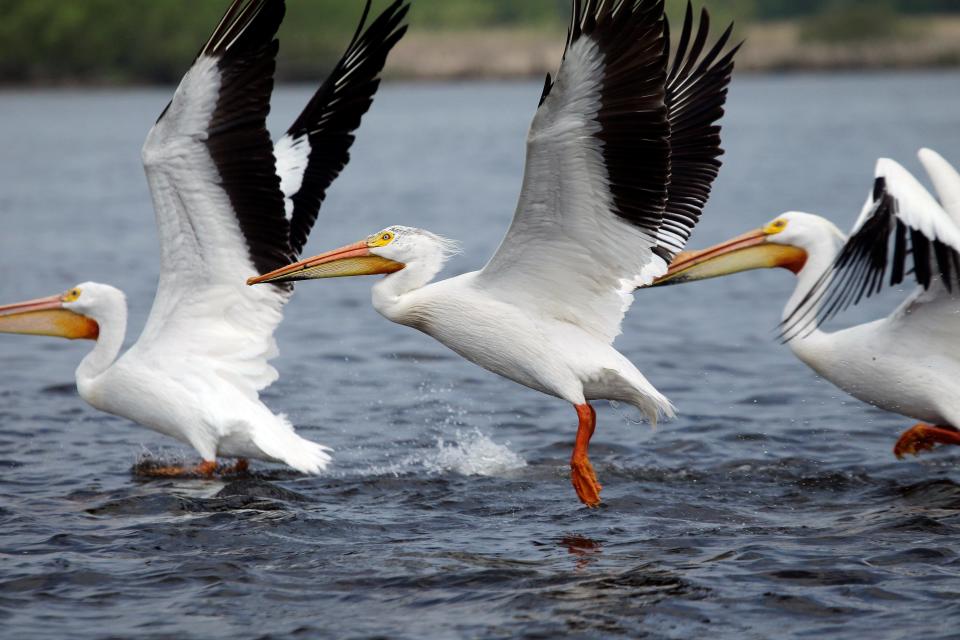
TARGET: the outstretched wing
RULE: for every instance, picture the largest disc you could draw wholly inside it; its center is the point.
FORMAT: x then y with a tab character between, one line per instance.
209	162
217	192
589	226
901	226
597	169
316	148
696	94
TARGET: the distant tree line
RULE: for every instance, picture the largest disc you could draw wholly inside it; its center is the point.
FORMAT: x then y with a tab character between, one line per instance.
154	40
773	9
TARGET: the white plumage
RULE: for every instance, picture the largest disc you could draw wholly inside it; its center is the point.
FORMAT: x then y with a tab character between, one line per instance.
227	204
601	211
906	363
566	211
201	308
917	208
293	157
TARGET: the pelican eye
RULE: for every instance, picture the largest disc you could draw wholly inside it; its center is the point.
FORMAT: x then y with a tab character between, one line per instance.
72	295
775	227
381	239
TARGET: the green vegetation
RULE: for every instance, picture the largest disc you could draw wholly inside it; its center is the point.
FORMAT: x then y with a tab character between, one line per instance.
153	40
778	9
122	41
855	22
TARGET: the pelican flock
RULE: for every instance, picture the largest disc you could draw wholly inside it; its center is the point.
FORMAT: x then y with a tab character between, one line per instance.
228	201
621	157
907	363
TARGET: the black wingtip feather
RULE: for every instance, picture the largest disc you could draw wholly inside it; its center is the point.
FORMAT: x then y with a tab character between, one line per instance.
336	111
879	188
634	132
246	25
237	138
547	87
659	118
859	270
696	96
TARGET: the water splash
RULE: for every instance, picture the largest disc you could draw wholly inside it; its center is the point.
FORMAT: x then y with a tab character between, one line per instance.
470	453
473	454
624	411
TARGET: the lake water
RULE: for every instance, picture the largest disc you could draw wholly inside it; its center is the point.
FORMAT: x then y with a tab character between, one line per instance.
771	508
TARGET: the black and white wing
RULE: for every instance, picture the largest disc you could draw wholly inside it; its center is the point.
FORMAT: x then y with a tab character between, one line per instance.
316	148
220	208
589	226
902	233
696	94
209	162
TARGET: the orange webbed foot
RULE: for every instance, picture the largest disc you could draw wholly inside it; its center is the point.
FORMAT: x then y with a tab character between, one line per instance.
206	469
585	483
166	471
582	475
924	437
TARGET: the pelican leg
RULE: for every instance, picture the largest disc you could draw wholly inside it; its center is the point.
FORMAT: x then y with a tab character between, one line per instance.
923	437
582	475
206	469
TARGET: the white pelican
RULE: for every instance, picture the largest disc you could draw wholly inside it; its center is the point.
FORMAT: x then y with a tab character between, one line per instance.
908	363
621	157
228	201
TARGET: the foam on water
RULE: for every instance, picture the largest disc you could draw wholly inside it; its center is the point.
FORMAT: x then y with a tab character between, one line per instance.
470	453
473	454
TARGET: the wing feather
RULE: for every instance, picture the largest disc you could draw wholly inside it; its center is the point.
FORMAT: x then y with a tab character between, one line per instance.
596	173
696	94
316	148
220	199
598	215
209	162
946	181
900	215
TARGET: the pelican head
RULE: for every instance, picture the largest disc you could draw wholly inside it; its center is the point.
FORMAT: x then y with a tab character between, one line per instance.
385	252
65	315
786	242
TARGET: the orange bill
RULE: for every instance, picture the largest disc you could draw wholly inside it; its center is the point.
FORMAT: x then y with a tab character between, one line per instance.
351	260
750	251
47	317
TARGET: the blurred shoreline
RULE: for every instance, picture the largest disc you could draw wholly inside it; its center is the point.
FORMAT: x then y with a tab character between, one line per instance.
508	53
769	48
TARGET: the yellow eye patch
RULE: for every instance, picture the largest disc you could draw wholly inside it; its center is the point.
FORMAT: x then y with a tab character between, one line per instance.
381	239
775	227
71	296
